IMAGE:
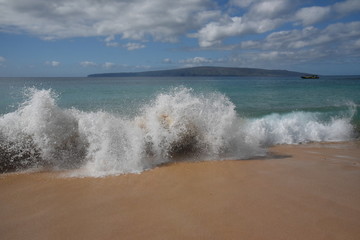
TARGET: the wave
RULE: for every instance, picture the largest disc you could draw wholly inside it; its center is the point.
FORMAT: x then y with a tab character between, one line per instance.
177	125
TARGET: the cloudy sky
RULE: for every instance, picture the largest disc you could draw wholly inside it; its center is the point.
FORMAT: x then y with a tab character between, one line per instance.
80	37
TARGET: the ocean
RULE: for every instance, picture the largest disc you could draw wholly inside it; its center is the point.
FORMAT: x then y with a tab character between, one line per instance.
109	126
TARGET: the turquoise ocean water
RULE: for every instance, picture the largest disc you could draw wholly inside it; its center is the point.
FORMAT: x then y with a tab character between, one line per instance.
103	126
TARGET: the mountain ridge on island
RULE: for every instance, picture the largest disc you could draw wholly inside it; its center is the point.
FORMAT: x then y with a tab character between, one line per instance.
206	71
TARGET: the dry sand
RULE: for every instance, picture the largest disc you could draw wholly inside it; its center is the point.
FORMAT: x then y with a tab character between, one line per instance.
302	192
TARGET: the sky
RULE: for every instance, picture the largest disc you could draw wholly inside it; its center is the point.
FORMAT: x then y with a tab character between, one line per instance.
55	38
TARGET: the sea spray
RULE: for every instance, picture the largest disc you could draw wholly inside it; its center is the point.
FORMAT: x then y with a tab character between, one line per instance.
115	145
176	125
298	127
42	127
182	121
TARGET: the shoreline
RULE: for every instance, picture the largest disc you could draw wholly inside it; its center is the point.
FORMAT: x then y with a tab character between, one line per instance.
308	191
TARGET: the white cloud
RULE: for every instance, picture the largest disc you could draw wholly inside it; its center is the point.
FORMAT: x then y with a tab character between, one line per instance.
133	46
109	42
242	3
141	67
270	9
88	64
311	15
205	16
275	55
163	20
131	24
263	16
108	65
339	33
340	40
53	63
213	33
250	44
315	14
347	7
196	60
159	20
110	38
167	60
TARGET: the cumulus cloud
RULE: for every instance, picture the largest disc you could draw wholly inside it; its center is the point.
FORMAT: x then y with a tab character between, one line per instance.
110	38
311	15
214	32
338	33
241	3
53	63
315	14
196	60
167	60
270	9
109	42
347	7
88	64
133	46
163	20
159	20
108	65
301	45
131	24
262	16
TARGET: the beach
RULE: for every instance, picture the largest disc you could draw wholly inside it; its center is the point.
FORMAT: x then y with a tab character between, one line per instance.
306	191
135	120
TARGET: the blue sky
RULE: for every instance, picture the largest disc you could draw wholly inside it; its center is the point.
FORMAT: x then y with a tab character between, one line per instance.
40	38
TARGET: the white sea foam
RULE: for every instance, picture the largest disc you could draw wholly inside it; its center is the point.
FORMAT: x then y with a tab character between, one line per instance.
178	124
298	127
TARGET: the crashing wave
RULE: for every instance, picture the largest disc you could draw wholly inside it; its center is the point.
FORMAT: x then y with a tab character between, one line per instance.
176	125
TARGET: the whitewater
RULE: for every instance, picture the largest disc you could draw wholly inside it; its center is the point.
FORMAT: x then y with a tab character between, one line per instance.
175	124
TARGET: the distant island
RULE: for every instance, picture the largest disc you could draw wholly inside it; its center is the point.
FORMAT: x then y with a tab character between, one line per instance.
204	72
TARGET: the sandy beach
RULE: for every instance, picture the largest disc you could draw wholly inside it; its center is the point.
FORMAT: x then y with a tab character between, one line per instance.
309	191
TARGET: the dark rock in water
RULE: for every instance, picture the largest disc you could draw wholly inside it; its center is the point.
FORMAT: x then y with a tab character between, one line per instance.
25	155
15	159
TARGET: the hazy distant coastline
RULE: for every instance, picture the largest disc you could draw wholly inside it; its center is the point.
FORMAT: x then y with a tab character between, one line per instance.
203	72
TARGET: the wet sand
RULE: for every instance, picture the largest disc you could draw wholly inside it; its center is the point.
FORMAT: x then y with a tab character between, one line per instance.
302	192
